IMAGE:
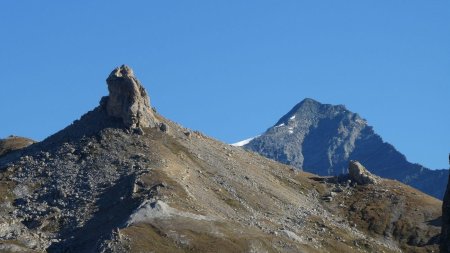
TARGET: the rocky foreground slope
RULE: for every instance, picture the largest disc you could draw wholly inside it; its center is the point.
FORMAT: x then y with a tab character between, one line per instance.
321	138
137	182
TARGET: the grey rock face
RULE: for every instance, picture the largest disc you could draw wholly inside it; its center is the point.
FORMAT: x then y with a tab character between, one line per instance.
445	235
128	99
359	174
322	138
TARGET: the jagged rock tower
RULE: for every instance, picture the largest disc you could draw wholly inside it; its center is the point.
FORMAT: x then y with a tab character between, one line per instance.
128	99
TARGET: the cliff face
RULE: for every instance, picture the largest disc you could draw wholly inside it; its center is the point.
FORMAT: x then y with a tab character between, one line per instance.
321	138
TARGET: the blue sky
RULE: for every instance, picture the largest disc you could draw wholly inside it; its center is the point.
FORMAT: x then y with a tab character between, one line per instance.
232	68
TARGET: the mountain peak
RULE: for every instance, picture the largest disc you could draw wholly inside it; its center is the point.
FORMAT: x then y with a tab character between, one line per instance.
309	107
309	101
128	99
305	103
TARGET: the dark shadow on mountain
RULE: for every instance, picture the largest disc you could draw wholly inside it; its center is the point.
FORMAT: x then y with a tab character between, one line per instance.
436	222
315	147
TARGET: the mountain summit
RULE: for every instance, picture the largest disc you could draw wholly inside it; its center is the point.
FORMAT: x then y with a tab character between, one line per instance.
322	138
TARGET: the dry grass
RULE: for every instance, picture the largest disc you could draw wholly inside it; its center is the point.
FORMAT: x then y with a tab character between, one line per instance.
185	236
397	211
14	143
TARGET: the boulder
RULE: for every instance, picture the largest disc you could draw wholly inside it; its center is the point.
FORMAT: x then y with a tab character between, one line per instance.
360	175
128	99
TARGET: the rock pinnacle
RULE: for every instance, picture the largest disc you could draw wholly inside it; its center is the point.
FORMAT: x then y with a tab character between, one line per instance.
128	99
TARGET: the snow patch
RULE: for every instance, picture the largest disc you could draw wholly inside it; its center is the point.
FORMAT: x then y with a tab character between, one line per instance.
291	118
243	142
290	130
280	125
148	211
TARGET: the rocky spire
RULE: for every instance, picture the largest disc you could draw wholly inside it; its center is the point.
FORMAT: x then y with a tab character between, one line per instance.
128	99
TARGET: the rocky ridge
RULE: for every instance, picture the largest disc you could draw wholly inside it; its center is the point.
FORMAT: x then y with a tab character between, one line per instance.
322	138
101	185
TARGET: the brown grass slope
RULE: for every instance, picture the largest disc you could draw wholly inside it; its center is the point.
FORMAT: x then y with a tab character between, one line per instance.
13	143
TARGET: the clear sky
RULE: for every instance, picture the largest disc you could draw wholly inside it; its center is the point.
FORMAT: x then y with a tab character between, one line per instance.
231	69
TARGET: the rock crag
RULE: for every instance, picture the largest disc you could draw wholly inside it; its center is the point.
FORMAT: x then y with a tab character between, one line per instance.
360	175
128	99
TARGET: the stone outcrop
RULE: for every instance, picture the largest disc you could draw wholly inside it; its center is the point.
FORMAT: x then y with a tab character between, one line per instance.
359	174
128	99
445	235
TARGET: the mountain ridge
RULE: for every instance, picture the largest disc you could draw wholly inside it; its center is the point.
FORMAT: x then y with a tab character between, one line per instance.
106	183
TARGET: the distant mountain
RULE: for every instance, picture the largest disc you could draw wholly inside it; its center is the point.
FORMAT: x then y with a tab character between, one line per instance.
322	138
